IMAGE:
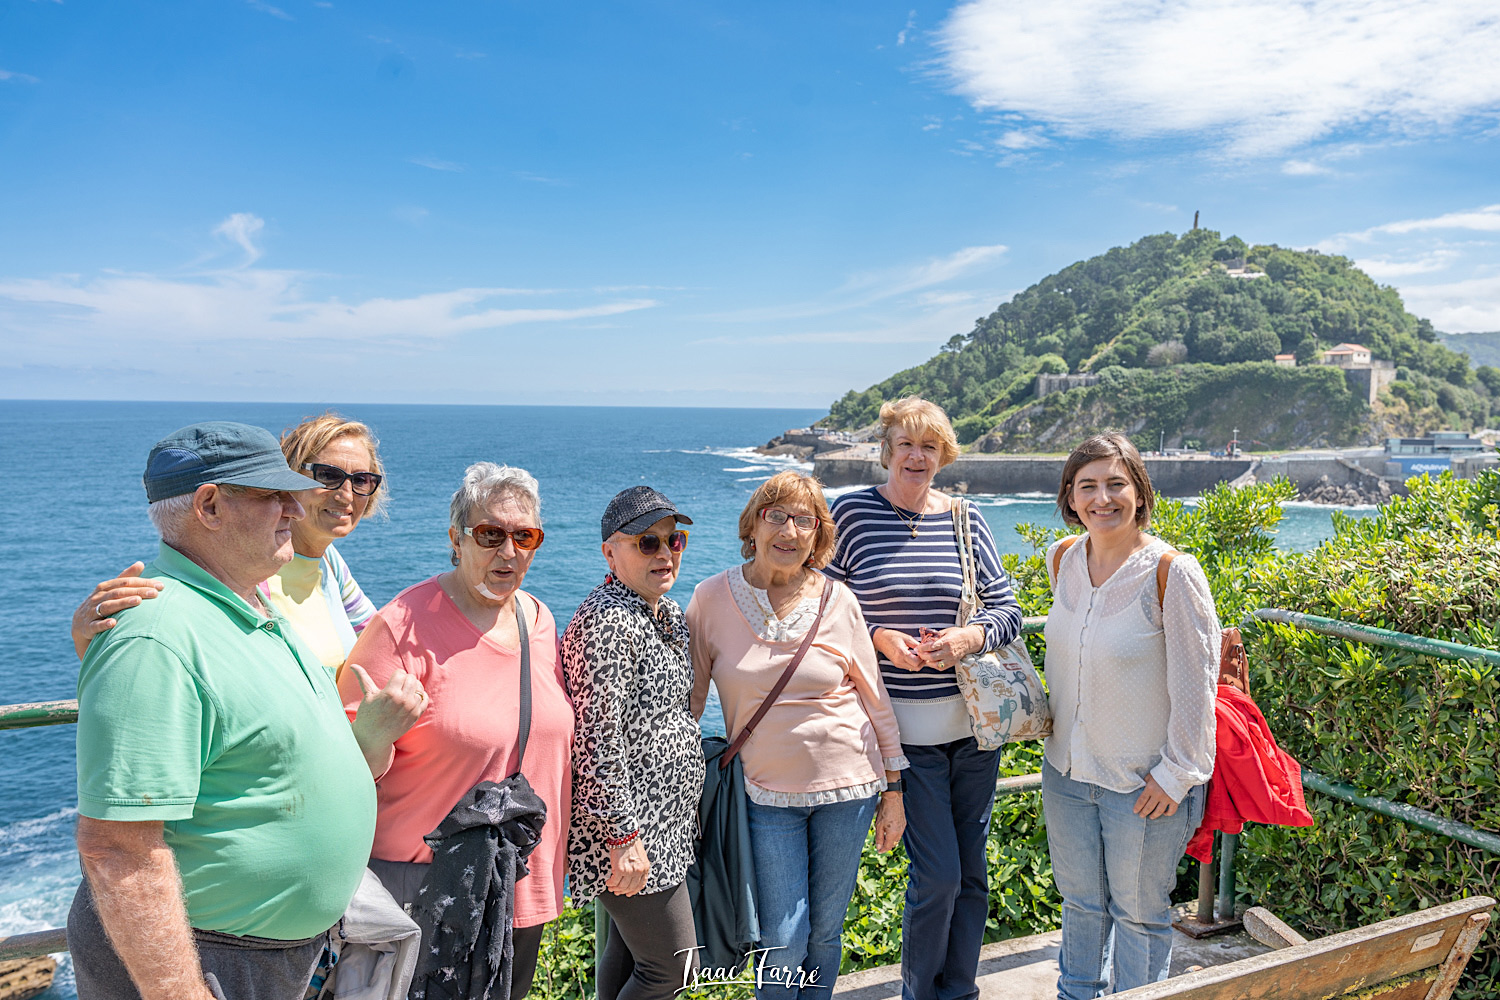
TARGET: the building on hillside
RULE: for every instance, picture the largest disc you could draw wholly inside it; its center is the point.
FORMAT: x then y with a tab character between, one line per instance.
1286	360
1046	385
1347	356
1442	451
1365	375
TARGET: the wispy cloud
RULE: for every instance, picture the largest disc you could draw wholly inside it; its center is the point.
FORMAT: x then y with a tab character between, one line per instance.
6	74
266	8
530	178
241	229
1469	306
1483	220
940	270
1254	79
433	163
267	305
1385	269
1306	168
907	28
1156	206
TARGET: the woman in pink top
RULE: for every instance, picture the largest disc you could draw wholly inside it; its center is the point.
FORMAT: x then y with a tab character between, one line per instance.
827	755
456	635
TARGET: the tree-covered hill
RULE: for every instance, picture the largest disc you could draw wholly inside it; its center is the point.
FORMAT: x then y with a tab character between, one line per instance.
1482	348
1151	317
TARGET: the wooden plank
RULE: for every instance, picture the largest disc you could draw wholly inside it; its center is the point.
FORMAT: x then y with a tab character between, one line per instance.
1463	950
34	944
1269	929
1332	966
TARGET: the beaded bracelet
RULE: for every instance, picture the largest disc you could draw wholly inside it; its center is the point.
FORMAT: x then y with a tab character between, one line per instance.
613	842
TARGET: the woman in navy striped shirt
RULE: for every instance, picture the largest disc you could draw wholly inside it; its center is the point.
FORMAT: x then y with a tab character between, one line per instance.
898	553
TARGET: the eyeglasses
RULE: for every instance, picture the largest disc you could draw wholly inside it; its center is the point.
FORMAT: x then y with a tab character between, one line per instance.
775	515
650	545
492	536
331	477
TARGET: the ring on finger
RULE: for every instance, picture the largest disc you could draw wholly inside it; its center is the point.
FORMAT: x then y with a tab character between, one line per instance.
99	611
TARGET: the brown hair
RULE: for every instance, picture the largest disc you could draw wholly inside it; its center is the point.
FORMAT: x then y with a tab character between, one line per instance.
1107	446
920	418
301	443
779	488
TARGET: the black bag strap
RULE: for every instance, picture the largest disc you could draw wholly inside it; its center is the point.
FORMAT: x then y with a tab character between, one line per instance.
781	682
524	728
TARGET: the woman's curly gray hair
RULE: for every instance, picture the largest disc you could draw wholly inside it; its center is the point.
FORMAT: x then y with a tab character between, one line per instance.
485	483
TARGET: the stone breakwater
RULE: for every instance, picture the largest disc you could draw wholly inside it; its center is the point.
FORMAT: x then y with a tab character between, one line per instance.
971	473
1319	477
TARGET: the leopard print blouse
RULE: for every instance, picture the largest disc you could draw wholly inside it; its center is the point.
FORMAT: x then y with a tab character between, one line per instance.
637	752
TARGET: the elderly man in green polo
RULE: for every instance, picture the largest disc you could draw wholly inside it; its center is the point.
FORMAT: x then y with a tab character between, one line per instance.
225	809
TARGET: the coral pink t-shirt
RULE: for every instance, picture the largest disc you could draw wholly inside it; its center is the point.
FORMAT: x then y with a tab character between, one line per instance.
468	732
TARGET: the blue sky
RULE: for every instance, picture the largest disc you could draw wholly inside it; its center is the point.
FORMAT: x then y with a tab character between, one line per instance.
697	203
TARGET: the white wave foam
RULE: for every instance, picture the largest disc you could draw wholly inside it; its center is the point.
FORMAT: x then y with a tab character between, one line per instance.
22	829
1310	505
749	468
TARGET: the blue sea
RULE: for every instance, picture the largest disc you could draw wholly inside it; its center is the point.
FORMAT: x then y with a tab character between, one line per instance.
75	513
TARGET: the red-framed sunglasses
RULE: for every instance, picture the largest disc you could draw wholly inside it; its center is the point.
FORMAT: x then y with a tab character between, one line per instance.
492	536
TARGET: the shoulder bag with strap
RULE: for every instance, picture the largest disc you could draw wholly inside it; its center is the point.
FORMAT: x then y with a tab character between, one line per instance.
1002	690
781	682
1234	665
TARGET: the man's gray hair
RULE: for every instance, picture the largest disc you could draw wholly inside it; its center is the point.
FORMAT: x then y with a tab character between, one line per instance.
171	517
485	483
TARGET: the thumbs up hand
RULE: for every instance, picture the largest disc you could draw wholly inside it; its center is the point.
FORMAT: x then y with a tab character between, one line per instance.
385	713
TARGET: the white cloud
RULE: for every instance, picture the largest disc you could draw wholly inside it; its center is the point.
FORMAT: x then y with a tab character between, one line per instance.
530	178
1258	78
266	8
940	270
432	163
263	305
1384	269
1017	139
241	228
1483	220
1306	168
6	74
1470	306
911	22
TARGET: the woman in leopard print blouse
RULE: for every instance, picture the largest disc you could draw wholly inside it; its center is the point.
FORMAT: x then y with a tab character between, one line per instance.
637	754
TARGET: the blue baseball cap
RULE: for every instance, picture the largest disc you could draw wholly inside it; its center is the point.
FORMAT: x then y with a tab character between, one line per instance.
219	451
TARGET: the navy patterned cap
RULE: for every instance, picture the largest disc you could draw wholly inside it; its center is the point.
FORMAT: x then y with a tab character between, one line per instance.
634	510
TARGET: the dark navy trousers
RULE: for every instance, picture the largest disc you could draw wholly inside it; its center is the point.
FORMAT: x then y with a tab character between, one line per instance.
950	791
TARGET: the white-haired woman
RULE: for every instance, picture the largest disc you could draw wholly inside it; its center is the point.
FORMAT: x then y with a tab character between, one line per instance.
457	636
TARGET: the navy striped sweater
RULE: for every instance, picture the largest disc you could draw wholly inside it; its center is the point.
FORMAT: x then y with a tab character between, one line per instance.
904	583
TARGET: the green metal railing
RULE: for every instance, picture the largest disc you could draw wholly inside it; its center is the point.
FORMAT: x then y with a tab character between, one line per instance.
51	713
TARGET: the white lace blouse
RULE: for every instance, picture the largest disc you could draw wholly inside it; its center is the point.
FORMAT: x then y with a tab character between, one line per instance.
755	605
1131	682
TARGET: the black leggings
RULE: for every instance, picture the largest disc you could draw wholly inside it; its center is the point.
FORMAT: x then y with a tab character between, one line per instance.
651	951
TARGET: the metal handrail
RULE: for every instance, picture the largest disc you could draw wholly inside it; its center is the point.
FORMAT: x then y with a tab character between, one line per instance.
53	713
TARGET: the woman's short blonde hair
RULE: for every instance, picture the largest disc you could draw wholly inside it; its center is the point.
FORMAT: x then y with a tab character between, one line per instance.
920	419
1109	445
780	488
301	443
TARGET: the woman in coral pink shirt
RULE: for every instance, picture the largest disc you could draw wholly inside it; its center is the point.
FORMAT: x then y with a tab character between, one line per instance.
457	637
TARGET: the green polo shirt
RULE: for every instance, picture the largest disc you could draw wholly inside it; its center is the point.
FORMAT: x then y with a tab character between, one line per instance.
199	711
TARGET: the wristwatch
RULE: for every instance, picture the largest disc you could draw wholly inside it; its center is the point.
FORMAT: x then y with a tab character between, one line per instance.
899	785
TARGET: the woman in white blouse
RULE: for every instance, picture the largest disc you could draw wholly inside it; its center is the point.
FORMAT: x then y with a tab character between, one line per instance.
1131	678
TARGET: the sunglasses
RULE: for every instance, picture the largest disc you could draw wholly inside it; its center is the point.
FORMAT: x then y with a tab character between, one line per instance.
331	477
492	536
649	544
774	515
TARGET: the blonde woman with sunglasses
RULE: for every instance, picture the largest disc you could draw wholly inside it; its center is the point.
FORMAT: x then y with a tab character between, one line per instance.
315	592
457	639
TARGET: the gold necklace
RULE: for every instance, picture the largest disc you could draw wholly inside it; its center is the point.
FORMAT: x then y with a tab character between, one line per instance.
911	522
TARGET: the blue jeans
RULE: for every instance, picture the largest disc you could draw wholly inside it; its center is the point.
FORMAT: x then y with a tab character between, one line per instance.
806	863
1115	872
950	791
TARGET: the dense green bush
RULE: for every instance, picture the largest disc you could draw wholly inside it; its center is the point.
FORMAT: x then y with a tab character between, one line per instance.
1412	728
